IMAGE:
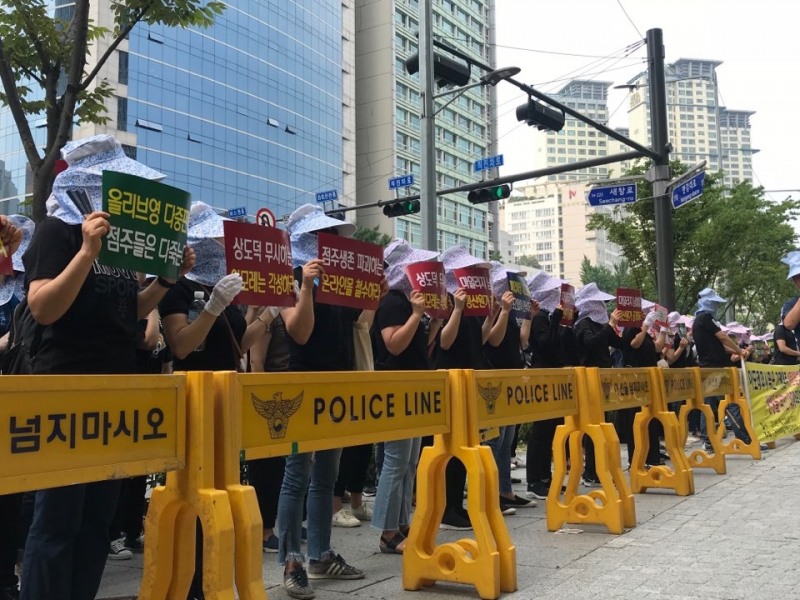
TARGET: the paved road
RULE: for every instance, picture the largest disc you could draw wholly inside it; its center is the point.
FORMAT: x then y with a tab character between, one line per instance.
738	537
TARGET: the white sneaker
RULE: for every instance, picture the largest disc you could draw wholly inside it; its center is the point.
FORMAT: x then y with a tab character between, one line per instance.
344	518
362	513
118	551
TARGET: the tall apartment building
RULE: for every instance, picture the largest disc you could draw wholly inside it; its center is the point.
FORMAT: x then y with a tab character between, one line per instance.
700	128
388	116
255	111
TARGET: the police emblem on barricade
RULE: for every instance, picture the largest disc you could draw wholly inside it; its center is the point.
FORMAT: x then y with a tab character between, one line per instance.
490	393
277	412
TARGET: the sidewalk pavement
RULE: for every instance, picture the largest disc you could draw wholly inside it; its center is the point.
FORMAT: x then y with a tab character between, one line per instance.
736	538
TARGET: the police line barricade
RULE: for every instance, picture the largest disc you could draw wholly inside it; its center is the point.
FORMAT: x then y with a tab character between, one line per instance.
189	495
275	414
66	429
643	388
725	382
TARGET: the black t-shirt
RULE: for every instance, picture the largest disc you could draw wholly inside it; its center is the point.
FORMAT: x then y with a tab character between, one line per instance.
467	349
545	340
508	355
97	333
6	313
710	351
683	359
643	356
394	310
219	352
593	342
781	333
330	346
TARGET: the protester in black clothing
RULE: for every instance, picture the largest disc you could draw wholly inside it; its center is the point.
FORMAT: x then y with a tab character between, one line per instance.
89	314
786	348
595	333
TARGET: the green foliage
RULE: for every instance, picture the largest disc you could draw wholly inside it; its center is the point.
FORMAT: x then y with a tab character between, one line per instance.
372	235
730	240
43	68
495	255
606	279
529	261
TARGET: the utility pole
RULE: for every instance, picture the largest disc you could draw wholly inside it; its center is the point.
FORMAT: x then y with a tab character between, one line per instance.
427	138
659	174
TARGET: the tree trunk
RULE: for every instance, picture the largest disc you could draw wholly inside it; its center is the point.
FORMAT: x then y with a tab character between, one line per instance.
42	186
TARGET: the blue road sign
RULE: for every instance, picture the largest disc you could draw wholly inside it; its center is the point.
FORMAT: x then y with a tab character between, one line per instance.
401	182
613	194
327	196
688	190
488	163
234	213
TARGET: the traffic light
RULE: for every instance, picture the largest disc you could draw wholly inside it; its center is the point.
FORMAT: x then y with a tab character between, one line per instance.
399	208
489	194
543	117
446	71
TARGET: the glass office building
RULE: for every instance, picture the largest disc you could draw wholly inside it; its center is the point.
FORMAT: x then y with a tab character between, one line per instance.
248	112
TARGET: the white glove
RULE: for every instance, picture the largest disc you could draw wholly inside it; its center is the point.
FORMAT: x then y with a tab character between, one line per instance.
650	319
223	293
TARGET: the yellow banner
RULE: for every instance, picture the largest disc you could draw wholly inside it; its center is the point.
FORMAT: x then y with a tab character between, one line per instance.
774	394
716	382
679	384
625	388
286	413
506	397
64	429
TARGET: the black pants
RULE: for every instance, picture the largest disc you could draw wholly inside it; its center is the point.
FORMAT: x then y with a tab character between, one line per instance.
130	509
10	506
540	449
624	426
266	476
353	466
455	481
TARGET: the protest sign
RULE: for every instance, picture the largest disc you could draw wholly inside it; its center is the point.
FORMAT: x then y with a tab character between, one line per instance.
568	304
263	257
774	395
353	272
522	295
428	277
478	285
661	315
629	304
148	221
6	265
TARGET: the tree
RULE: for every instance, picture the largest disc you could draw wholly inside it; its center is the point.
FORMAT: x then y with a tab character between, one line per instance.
43	68
730	240
372	235
529	260
496	255
606	279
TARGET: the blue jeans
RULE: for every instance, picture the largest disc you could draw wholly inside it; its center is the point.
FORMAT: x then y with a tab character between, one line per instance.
501	448
321	472
68	542
393	499
733	418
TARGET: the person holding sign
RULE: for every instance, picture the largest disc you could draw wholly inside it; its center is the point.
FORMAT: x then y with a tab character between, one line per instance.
12	286
595	333
320	338
460	346
10	238
401	344
503	350
89	314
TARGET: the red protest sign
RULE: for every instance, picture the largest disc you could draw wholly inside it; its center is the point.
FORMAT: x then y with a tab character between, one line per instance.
428	277
662	313
263	257
629	304
6	266
567	304
353	272
478	285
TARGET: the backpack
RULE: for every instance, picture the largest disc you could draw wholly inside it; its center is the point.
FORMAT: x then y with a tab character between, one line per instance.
24	340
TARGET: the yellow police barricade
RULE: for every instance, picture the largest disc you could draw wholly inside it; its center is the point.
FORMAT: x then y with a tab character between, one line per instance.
189	494
692	393
274	414
725	382
642	388
612	504
507	397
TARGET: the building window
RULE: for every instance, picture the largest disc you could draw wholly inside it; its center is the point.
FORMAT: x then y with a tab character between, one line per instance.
149	125
122	113
123	68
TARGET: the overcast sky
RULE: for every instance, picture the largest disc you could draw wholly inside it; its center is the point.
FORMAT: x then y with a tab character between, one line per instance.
758	42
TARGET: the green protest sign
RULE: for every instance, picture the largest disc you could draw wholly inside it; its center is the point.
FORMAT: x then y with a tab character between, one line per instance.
149	222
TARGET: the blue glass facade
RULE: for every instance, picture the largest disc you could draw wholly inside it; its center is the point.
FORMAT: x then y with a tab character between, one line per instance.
247	112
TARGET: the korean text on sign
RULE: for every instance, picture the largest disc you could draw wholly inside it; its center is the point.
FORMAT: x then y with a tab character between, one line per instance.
478	285
567	304
353	272
629	303
522	295
6	266
428	277
149	222
263	257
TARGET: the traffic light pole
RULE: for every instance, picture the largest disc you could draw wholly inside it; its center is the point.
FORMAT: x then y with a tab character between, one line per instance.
659	174
428	198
